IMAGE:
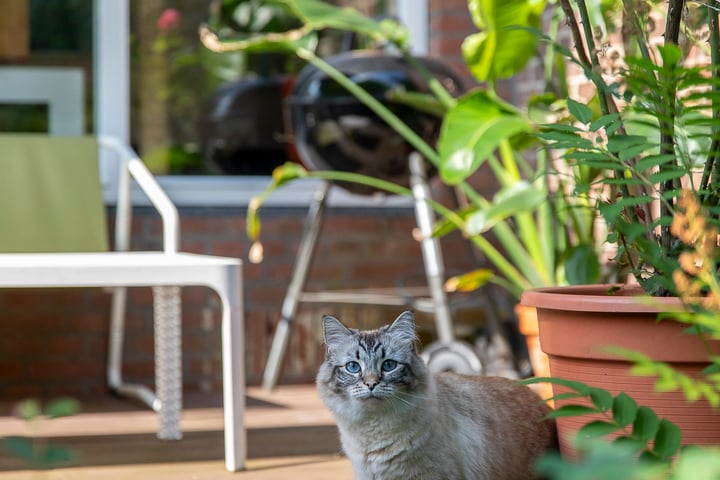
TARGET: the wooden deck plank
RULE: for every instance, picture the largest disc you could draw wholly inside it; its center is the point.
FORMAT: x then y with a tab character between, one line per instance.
290	435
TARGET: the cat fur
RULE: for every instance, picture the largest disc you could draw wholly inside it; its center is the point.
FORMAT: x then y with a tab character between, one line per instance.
408	423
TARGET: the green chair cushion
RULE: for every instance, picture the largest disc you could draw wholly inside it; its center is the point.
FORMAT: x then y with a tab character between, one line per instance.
50	195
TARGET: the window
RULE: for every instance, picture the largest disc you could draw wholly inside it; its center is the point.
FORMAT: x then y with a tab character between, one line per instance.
144	77
47	67
195	112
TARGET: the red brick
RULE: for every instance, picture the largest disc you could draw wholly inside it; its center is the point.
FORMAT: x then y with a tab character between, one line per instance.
459	24
71	369
12	370
447	5
67	344
229	249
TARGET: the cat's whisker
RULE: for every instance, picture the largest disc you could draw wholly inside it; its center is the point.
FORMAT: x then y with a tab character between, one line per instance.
405	398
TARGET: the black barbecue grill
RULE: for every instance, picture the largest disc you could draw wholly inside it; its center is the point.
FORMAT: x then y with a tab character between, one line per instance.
333	130
241	130
247	124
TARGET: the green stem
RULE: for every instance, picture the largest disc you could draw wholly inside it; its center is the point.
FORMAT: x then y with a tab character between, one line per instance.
507	154
517	251
547	229
433	83
472	195
506	268
527	229
390	187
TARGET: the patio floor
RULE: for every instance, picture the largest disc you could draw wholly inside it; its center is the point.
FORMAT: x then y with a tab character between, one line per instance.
290	435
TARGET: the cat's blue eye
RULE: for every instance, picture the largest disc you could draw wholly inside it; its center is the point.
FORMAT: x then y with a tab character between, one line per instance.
352	367
388	365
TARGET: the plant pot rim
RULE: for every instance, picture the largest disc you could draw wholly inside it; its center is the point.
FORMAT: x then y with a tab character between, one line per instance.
596	298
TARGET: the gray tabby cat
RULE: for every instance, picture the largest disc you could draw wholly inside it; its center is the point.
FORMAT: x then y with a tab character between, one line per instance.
399	421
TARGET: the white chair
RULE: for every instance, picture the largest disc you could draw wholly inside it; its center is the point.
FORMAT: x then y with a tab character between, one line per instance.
53	233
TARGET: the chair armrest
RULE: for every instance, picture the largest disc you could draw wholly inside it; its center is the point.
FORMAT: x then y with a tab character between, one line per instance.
131	165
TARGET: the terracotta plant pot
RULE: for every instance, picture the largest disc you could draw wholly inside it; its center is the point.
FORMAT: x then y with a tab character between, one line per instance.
577	322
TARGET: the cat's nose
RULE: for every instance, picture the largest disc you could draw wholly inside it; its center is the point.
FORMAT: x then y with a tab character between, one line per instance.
371	385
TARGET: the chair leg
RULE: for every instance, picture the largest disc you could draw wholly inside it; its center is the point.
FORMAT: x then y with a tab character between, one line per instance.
431	252
168	361
115	354
311	229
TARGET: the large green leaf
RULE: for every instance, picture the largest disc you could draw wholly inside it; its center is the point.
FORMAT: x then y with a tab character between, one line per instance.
469	281
472	130
667	439
582	265
597	428
518	197
505	43
624	409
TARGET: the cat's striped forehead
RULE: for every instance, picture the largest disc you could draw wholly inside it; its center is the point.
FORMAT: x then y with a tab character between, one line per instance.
396	339
371	343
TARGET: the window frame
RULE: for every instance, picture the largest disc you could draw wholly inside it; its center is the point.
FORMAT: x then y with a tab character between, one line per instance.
111	66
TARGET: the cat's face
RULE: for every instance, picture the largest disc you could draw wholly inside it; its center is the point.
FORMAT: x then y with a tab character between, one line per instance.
372	365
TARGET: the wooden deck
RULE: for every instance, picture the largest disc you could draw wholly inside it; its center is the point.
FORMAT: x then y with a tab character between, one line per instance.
290	436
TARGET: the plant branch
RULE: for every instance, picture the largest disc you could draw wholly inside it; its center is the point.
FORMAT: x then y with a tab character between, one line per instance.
592	51
711	169
667	119
575	30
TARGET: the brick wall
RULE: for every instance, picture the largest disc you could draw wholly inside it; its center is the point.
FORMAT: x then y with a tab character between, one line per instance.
450	23
54	342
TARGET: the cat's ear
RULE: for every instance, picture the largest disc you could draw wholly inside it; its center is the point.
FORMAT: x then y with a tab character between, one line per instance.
334	331
404	327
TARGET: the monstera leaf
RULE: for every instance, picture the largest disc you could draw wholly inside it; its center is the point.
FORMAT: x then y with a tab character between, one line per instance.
319	15
505	42
472	130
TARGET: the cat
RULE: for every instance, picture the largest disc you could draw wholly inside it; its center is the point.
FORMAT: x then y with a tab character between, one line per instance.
399	421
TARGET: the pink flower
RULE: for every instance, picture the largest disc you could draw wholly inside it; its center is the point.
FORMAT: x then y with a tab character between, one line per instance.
169	20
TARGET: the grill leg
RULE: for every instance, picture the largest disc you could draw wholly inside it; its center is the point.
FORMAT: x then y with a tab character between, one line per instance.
306	250
432	255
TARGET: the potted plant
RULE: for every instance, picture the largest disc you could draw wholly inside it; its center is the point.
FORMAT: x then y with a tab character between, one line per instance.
658	136
545	237
646	445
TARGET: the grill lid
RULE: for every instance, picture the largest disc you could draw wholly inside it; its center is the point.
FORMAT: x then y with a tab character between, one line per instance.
335	131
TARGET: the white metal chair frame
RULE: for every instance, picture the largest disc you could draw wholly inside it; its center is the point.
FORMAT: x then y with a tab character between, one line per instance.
165	272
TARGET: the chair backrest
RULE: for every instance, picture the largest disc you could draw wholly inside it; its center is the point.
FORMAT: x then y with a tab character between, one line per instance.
50	195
